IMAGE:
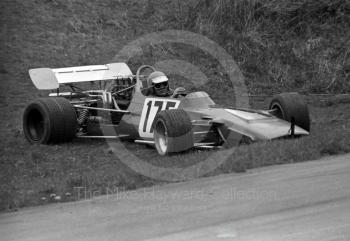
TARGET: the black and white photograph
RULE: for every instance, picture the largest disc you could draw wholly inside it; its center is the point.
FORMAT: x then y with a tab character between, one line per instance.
203	120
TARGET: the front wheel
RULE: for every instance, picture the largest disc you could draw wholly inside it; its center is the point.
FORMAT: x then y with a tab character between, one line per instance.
291	106
49	120
172	132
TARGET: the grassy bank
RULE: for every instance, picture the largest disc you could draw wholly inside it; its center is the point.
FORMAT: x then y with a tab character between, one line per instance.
281	45
30	175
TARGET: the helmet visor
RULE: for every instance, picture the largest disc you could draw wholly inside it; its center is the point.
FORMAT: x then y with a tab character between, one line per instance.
161	85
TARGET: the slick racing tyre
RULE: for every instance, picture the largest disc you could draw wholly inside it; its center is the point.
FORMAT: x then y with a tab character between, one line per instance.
172	131
287	106
49	120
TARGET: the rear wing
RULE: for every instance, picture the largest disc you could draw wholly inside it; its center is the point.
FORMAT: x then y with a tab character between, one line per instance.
48	79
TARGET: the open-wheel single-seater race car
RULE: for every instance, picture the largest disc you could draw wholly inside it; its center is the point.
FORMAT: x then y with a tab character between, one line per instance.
127	108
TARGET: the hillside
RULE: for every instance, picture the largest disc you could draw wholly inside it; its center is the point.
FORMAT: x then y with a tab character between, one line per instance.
301	46
281	45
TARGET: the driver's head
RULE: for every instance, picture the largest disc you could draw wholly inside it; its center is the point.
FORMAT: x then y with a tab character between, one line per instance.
159	82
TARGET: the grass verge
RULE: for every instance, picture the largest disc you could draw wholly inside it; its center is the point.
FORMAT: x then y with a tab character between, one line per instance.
36	175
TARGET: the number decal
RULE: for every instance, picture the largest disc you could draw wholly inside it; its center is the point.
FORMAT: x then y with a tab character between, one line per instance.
151	108
170	105
158	104
149	105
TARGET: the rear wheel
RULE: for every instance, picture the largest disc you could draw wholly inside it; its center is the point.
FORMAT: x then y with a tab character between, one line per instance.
49	120
289	106
172	132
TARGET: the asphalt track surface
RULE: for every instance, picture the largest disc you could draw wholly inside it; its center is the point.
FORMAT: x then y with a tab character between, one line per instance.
303	201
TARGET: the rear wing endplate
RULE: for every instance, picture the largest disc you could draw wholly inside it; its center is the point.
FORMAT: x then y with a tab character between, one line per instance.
47	79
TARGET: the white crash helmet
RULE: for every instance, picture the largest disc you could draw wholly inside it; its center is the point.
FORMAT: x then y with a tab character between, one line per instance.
159	82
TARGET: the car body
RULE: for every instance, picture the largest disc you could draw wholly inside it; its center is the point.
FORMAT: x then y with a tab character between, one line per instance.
124	109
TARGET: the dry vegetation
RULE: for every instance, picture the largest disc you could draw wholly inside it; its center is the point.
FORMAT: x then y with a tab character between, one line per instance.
279	45
299	45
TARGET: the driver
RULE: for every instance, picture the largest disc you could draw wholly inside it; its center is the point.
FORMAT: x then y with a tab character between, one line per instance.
159	83
160	86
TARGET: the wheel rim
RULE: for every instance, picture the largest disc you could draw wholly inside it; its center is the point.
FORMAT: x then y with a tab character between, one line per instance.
161	137
35	125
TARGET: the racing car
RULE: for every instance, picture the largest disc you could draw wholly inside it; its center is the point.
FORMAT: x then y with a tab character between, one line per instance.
125	107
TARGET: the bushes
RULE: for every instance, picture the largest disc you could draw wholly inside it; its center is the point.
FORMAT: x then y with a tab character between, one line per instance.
285	45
